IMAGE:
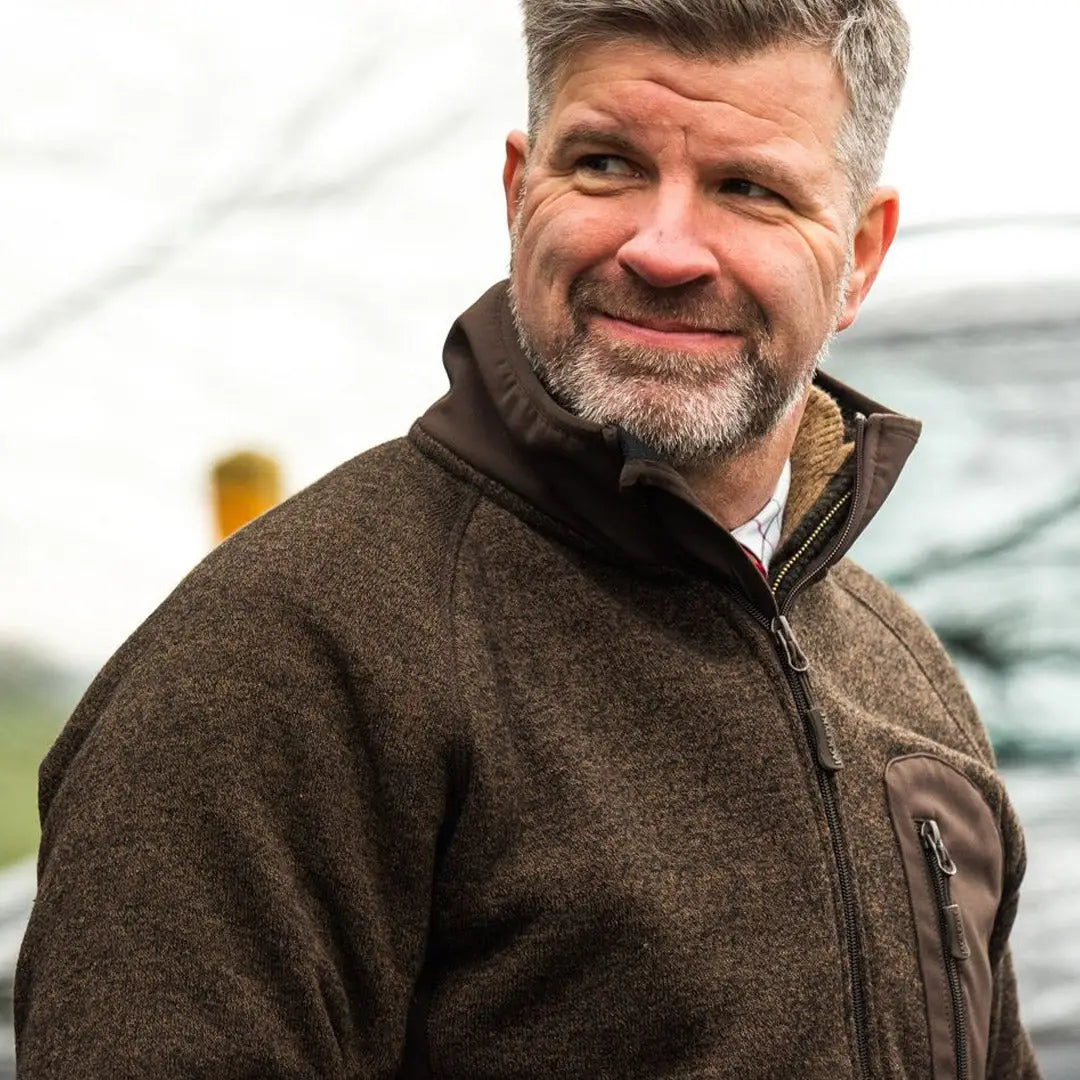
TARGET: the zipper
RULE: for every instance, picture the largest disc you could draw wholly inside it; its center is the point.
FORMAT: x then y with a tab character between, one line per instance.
851	497
821	527
954	946
819	737
820	730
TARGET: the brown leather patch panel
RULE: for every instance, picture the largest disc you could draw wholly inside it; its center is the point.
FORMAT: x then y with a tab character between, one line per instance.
921	787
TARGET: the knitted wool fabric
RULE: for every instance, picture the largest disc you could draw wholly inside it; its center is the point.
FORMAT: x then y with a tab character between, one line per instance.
820	451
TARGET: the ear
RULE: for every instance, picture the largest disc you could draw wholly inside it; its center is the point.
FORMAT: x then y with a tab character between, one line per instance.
517	154
872	239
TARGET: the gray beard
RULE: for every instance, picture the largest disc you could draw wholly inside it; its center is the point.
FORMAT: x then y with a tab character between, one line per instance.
691	408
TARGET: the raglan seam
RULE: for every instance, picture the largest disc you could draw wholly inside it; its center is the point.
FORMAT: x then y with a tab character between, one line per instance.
497	494
961	726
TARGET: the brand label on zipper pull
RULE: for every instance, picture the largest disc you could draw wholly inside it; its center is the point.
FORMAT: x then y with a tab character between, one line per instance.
828	757
954	927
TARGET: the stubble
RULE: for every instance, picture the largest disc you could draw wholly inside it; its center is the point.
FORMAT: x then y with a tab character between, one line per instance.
693	408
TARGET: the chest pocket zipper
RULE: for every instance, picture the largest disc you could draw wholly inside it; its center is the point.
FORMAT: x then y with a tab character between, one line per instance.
954	945
953	857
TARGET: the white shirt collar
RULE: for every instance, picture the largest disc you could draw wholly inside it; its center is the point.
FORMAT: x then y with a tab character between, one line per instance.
761	534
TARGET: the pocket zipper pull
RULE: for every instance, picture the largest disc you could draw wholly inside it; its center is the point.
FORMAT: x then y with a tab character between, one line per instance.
952	916
933	842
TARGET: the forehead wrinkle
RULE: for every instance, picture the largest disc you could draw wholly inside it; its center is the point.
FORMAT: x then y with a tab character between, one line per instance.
637	110
786	114
613	63
649	108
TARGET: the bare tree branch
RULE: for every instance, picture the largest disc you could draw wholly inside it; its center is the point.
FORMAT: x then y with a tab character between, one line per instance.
944	561
247	192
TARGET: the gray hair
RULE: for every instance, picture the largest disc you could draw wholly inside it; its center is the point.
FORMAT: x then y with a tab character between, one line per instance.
868	40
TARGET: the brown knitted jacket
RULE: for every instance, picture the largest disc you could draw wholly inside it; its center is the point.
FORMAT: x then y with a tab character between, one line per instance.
491	756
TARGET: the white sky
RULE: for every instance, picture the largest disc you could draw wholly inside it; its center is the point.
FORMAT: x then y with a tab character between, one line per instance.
989	118
316	189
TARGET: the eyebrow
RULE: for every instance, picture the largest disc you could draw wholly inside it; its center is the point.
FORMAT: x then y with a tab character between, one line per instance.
769	172
759	169
581	136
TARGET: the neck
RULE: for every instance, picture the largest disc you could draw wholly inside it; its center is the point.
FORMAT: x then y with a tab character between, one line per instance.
733	491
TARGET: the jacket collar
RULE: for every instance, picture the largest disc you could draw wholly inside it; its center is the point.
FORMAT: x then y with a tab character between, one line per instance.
611	489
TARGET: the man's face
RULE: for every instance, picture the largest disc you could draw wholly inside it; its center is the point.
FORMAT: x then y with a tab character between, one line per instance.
682	248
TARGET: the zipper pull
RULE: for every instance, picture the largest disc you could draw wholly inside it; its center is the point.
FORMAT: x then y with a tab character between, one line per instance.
824	745
953	921
954	932
828	756
933	842
783	633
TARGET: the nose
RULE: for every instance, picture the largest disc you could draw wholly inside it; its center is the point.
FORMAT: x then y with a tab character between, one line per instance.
669	247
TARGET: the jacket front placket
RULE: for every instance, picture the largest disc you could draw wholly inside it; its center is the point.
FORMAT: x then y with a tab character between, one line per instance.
575	463
768	605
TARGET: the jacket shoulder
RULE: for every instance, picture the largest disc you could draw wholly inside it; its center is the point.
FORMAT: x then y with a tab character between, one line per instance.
897	619
376	538
344	586
388	507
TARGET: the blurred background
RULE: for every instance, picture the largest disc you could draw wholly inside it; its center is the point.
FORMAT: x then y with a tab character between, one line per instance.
247	227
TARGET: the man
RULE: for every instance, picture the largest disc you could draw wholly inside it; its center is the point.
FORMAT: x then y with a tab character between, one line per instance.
560	739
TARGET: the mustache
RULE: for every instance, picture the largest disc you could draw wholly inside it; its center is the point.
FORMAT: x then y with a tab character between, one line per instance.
694	305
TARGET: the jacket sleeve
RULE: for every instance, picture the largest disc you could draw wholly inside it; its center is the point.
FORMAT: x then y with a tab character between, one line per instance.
1011	1055
239	832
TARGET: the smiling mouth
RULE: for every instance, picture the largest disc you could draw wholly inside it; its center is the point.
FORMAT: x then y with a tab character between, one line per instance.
648	330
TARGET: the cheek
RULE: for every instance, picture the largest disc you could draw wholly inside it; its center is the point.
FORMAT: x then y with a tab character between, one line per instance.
563	238
791	277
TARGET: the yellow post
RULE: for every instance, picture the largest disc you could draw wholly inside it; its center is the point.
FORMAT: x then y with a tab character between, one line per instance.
245	485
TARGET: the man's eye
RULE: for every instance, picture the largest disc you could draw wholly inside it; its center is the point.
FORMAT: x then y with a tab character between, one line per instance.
747	189
606	165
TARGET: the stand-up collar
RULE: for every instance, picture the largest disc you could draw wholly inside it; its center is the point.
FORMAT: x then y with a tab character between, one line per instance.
606	486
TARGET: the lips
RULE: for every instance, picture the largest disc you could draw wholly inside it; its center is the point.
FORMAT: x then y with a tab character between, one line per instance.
691	315
664	326
665	335
664	331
